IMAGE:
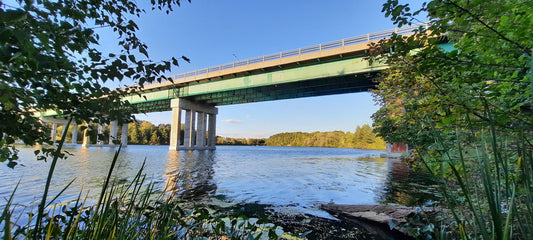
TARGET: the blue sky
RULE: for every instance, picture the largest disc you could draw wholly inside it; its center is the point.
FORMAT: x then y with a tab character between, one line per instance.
212	32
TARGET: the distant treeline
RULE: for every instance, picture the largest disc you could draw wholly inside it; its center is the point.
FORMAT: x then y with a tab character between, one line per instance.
362	138
146	133
241	141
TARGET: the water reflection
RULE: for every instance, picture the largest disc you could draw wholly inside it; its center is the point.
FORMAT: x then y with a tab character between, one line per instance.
282	176
189	174
407	187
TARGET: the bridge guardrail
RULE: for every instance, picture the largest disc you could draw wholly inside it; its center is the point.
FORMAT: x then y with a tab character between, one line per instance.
296	52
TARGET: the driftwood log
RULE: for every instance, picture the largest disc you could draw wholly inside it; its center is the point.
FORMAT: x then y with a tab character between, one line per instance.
384	221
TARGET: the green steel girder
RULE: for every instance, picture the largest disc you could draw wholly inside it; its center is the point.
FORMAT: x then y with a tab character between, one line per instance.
154	106
315	87
321	78
318	70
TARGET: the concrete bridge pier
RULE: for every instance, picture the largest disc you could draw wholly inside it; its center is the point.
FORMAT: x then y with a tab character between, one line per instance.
74	132
53	132
86	137
57	122
124	134
101	128
113	135
200	125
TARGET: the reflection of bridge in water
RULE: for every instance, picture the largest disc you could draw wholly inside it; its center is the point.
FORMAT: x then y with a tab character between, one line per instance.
325	69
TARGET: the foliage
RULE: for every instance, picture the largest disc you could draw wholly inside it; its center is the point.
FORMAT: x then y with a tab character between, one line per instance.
51	59
241	141
362	138
468	111
145	133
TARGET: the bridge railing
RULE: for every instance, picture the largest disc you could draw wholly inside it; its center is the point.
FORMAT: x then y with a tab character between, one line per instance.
296	52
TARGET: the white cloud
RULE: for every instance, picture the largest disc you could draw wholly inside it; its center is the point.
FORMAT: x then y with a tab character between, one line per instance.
233	121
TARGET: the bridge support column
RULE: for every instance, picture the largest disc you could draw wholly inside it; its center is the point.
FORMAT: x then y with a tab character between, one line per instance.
175	127
196	125
64	129
55	122
190	124
212	136
53	133
124	135
86	136
113	131
201	131
99	141
74	132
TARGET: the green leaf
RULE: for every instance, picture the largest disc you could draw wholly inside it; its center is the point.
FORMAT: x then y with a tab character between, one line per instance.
13	16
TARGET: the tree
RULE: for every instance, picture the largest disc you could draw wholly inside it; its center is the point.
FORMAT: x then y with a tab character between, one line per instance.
134	134
467	110
155	139
366	140
146	129
50	60
488	67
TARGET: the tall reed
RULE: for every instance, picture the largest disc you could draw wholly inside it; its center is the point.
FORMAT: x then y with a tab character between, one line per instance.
487	173
134	210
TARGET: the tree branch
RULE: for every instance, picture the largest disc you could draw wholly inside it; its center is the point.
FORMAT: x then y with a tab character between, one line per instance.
526	51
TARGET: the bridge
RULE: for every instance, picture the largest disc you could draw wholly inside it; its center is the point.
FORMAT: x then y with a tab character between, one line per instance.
325	69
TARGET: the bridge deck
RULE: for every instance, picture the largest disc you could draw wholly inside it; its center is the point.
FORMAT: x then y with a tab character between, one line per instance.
340	48
324	69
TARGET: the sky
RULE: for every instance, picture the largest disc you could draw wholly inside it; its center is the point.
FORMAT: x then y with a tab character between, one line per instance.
213	32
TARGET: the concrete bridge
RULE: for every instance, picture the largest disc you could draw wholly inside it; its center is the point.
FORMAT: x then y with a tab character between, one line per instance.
325	69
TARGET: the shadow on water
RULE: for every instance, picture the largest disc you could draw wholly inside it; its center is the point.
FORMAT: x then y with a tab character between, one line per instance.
408	187
189	174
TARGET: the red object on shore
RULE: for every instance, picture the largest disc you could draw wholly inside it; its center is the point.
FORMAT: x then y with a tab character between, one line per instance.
399	147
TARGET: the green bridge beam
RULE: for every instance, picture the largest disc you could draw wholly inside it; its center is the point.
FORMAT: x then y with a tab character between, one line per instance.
344	75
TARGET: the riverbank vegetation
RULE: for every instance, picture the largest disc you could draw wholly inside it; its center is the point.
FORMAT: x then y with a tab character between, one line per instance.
464	102
362	138
146	133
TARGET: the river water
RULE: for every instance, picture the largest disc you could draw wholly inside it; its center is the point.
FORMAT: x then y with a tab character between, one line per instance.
296	178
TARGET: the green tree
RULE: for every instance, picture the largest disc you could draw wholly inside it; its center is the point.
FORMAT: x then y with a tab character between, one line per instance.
363	138
459	90
487	68
164	130
51	59
155	139
134	134
146	129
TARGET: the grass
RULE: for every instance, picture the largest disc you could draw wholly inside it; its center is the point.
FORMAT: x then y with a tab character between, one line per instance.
487	182
127	211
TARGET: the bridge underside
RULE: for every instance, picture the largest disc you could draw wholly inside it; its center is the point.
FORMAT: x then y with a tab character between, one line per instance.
317	87
311	88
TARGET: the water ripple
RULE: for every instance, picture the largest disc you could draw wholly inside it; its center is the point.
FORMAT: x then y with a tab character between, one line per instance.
281	176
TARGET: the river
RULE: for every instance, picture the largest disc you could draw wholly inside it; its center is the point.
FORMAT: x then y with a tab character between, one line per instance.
294	178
